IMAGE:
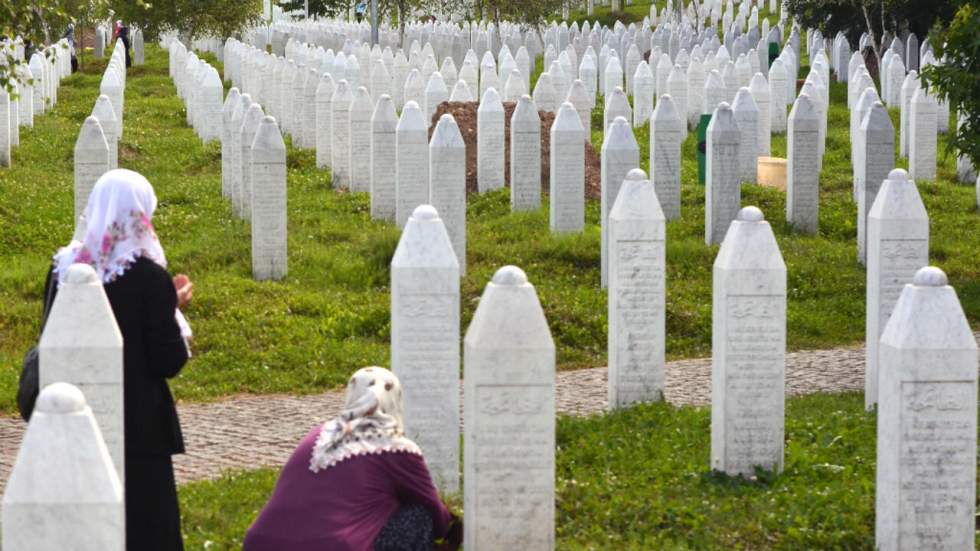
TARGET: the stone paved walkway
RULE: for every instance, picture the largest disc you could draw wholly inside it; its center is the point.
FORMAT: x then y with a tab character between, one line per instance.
251	431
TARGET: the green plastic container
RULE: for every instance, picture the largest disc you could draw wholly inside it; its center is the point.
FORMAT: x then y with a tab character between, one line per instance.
702	145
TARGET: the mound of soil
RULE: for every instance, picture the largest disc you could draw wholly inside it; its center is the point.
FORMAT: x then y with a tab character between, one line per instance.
465	115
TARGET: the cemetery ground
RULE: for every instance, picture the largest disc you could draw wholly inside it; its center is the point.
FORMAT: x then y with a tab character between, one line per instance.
331	314
631	479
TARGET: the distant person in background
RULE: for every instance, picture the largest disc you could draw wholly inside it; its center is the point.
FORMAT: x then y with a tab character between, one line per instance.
69	36
122	32
356	483
119	242
359	11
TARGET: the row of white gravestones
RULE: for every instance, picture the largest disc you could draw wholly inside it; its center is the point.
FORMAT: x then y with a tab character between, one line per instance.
748	348
97	145
63	491
509	419
637	258
898	245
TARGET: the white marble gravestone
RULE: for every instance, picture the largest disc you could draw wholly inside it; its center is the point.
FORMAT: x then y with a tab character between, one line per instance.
637	273
411	162
340	103
6	138
436	92
425	341
779	83
525	156
242	197
909	87
925	493
268	185
760	93
324	120
490	142
923	132
643	84
509	419
667	131
235	158
877	159
898	245
106	115
91	162
227	110
383	153
723	193
803	166
617	105
580	99
63	492
545	95
211	99
567	174
747	118
619	155
447	182
81	345
677	88
748	349
361	111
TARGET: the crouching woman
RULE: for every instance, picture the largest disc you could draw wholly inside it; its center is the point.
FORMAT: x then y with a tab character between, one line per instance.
356	482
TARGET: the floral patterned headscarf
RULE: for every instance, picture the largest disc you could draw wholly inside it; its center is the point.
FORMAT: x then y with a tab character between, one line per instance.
117	227
371	422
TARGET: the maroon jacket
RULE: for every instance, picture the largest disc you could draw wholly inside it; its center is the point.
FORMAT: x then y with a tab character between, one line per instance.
344	507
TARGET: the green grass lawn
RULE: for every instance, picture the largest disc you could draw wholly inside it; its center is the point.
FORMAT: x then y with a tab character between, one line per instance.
639	479
331	314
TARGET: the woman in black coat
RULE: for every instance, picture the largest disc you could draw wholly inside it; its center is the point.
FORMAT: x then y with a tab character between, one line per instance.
120	244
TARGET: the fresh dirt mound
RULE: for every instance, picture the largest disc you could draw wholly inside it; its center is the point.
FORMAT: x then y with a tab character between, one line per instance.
465	114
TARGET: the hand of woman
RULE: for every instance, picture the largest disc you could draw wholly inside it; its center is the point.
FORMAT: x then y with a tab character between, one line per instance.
185	290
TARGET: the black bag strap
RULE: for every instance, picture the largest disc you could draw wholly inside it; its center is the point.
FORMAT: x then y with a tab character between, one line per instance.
48	299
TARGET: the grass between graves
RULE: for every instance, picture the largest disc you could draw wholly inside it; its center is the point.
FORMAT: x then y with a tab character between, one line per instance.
638	479
331	314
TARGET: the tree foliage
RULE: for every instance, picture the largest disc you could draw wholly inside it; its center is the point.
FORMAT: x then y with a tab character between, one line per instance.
957	78
40	22
191	18
853	17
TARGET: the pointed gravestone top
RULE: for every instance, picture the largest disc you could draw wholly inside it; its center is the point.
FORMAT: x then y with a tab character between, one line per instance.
567	119
412	118
491	102
620	137
267	137
342	94
91	137
104	112
804	114
666	110
744	101
361	102
461	92
447	133
636	199
384	112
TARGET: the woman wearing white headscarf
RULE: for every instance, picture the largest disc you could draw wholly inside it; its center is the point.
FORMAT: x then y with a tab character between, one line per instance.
356	483
119	242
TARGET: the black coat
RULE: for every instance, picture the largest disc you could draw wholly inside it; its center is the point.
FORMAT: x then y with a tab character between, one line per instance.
143	300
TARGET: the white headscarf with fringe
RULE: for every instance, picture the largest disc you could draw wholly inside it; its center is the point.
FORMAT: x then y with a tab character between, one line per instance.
371	422
118	228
